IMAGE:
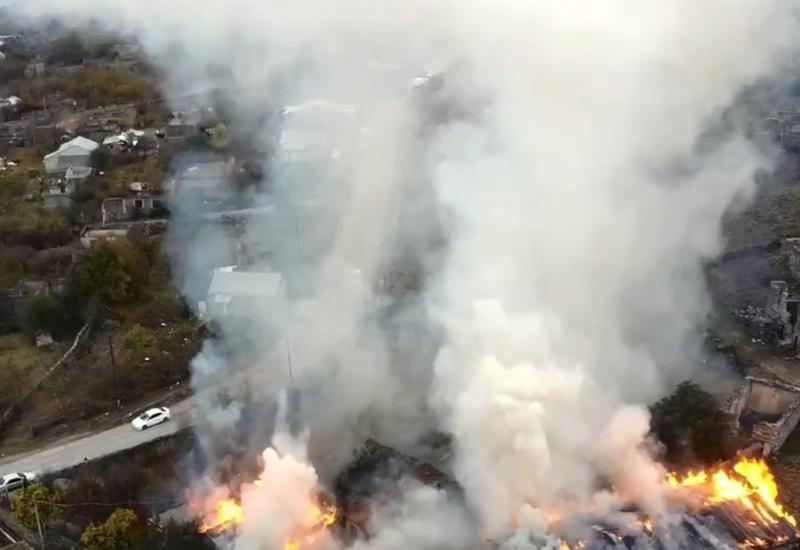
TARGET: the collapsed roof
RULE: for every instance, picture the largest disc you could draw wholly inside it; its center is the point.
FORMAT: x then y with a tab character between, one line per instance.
374	474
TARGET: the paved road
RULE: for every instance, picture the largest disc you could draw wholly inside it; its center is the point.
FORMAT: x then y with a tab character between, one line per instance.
72	453
68	453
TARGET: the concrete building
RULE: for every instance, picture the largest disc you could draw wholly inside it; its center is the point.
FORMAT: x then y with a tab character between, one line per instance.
115	209
74	153
765	412
91	236
782	316
232	293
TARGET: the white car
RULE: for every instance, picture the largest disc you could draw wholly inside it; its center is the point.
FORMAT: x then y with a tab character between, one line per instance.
17	480
150	418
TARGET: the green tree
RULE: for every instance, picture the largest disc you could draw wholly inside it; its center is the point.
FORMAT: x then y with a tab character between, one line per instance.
120	531
24	505
691	426
108	271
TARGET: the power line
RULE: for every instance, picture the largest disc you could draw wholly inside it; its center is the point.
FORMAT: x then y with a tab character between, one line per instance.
121	503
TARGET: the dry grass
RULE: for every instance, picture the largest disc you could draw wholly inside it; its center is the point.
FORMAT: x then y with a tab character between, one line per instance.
22	364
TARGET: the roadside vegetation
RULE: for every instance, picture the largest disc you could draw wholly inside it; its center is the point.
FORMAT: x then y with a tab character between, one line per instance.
143	339
113	504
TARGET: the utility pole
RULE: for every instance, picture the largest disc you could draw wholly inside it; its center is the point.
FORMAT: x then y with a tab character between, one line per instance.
289	357
111	354
38	522
296	230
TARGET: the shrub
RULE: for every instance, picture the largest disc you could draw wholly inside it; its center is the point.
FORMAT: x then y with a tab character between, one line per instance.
118	532
46	314
26	502
139	342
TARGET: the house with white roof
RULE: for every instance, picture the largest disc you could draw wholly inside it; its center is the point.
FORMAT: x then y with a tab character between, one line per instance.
239	293
311	131
75	152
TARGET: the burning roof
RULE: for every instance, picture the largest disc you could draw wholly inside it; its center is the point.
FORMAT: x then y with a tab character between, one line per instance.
731	506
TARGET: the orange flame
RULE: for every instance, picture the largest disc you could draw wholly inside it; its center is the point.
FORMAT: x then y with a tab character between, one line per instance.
318	518
225	515
750	483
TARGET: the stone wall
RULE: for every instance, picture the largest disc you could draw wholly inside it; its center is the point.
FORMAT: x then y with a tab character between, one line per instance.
769	397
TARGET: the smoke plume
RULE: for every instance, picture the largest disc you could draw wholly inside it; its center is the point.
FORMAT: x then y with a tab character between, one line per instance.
559	204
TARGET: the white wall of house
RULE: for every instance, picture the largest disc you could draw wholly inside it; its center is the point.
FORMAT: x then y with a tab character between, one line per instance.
59	161
98	235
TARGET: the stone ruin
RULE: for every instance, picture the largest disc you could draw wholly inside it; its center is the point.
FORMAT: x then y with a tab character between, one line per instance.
780	323
765	412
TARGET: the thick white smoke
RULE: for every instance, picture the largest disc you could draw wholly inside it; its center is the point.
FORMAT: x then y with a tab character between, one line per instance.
581	196
583	206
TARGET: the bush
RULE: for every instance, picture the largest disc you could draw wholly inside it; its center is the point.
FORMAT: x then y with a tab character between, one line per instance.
46	314
124	530
119	532
42	229
24	505
161	307
691	426
139	342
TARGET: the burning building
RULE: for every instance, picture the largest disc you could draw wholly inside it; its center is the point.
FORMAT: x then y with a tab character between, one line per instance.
731	506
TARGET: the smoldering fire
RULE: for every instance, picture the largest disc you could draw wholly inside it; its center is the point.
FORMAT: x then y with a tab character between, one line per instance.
559	229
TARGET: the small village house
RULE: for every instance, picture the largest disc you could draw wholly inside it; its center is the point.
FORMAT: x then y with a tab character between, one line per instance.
233	292
116	209
76	152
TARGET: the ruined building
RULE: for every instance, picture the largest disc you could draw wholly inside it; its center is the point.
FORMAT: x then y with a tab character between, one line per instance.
765	412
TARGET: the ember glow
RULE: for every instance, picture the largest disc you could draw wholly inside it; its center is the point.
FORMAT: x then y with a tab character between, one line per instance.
749	482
